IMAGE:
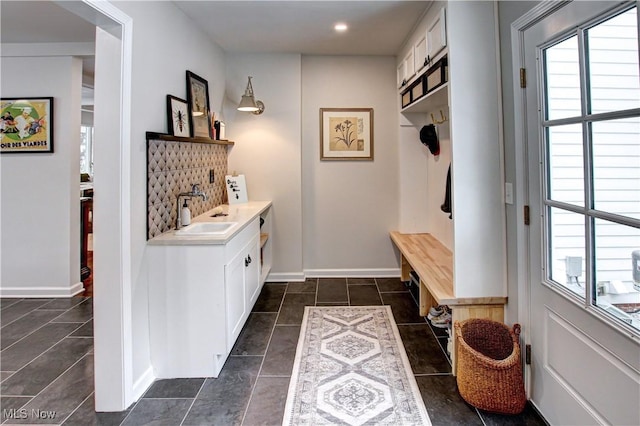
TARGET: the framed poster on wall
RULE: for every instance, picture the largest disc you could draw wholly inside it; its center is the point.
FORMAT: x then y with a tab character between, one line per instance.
346	133
26	125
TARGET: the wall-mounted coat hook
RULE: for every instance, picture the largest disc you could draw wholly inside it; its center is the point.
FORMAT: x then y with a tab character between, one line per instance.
438	121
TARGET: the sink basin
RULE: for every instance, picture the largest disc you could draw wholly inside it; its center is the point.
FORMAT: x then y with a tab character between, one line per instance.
206	228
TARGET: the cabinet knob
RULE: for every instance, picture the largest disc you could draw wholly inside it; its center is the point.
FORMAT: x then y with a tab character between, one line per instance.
247	260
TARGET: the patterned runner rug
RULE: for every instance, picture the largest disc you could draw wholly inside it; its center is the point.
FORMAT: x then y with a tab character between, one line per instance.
351	369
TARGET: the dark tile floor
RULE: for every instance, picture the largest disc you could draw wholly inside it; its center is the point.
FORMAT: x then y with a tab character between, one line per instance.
46	362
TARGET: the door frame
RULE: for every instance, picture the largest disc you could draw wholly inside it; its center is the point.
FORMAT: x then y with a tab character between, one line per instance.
115	389
518	28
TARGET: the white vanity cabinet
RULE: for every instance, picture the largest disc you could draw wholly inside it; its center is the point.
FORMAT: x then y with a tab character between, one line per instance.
201	293
242	286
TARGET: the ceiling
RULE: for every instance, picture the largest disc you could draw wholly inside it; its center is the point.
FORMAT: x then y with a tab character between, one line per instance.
305	27
41	22
375	27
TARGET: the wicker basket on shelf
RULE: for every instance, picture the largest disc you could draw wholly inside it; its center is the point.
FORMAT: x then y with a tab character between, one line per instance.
489	372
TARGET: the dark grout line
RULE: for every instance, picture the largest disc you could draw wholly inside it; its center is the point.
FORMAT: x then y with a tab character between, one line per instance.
432	374
76	409
177	397
264	357
8	298
186	414
18	396
241	356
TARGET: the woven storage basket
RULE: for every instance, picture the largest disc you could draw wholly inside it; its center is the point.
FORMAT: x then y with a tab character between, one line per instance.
488	366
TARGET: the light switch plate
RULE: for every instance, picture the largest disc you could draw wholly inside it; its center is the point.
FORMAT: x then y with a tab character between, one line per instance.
508	193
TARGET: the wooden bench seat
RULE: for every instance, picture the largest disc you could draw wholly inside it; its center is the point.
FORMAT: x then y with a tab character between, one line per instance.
433	262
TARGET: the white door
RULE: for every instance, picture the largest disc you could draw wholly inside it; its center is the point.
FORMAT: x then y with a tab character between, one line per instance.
583	149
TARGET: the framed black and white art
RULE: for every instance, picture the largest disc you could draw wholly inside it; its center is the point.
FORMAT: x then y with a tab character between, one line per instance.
178	117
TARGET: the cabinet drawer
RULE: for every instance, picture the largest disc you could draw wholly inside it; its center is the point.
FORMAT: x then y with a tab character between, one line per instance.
241	239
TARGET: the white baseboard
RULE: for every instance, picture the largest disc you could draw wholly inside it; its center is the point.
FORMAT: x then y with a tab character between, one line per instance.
30	292
352	273
142	384
285	277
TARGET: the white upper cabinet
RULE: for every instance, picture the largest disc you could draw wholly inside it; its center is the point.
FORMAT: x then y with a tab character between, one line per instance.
437	35
410	69
406	69
401	73
420	53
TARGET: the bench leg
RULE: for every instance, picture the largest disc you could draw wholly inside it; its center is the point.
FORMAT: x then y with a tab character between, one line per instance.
426	300
405	268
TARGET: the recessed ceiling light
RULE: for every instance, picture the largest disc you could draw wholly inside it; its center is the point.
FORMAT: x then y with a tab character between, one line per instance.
340	27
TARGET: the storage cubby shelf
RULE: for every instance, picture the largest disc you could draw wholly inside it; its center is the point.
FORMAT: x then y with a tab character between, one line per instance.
431	101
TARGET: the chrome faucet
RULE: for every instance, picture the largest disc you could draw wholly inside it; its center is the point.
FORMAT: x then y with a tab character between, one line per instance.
195	192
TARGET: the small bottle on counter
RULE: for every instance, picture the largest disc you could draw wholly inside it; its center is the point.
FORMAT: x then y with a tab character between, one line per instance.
185	215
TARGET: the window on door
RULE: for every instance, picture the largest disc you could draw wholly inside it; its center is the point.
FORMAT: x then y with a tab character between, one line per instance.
591	166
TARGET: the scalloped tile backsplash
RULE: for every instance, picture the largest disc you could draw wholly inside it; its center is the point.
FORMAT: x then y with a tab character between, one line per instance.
172	167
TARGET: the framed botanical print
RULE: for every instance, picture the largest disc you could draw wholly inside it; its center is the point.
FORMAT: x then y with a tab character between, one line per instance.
198	100
178	117
26	125
346	134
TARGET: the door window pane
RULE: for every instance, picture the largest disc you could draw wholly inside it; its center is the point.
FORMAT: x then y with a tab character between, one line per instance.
567	249
562	78
616	166
617	270
565	164
613	63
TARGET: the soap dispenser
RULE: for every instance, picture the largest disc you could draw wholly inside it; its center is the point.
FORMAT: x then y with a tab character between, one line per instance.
185	214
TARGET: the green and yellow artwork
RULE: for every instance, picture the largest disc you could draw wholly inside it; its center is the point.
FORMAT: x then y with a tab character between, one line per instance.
26	125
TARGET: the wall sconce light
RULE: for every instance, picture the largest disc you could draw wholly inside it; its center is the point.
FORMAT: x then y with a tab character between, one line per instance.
248	102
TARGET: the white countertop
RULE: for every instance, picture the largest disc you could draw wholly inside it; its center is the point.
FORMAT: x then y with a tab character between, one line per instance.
242	214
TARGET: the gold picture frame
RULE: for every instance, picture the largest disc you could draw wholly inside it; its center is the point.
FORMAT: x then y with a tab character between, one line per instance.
346	134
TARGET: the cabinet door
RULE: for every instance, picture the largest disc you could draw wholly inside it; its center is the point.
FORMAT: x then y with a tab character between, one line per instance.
235	298
409	66
401	73
252	272
420	53
437	35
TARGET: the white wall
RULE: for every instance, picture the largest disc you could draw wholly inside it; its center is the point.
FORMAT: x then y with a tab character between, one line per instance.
349	207
41	192
267	148
165	45
477	176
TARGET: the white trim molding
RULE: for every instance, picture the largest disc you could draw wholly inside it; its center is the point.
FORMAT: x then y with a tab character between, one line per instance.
280	277
143	383
353	273
27	292
518	27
